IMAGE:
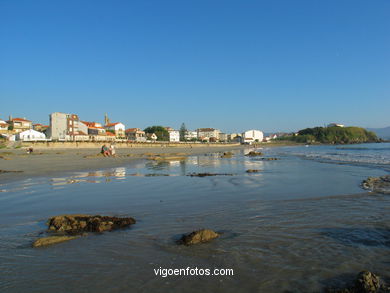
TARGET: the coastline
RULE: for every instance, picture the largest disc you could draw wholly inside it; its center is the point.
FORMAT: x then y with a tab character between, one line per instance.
16	164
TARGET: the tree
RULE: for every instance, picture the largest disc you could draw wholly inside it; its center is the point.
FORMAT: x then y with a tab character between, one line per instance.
182	132
160	131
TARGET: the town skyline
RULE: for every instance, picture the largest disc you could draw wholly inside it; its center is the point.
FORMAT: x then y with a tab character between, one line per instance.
278	66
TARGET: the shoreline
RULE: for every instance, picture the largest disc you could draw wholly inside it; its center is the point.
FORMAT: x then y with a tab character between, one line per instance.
16	164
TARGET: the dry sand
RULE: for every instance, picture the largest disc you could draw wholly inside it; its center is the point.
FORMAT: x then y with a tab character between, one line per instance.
49	162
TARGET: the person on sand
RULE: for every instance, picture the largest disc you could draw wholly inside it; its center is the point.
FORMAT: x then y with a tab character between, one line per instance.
30	150
105	151
112	150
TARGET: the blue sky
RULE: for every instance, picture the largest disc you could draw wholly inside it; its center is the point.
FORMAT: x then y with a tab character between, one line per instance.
233	65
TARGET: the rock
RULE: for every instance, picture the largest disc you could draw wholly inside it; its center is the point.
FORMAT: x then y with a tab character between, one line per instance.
377	184
366	282
254	154
252	171
199	236
52	240
10	171
227	155
208	174
78	224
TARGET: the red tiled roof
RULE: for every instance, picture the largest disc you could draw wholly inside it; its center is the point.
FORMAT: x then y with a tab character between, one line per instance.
132	130
110	134
112	124
20	119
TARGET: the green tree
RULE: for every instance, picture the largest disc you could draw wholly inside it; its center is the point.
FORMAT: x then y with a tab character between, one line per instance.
160	131
182	132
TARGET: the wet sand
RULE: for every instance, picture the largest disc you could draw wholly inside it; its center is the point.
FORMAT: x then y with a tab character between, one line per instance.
16	164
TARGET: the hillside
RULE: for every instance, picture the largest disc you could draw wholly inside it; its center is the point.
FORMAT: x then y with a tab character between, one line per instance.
334	135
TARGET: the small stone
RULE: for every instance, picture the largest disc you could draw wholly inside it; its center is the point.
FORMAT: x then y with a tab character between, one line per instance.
253	171
199	236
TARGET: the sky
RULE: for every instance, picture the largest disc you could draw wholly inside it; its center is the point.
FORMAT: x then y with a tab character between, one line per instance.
277	65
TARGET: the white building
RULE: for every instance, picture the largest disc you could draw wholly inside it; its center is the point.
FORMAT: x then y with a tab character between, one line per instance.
191	135
251	136
30	135
208	134
117	128
174	136
335	125
66	127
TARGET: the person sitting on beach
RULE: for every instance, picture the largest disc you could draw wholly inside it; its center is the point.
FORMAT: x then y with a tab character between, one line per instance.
112	150
105	151
30	150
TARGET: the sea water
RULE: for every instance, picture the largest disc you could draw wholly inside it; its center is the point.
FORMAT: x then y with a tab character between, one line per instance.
302	223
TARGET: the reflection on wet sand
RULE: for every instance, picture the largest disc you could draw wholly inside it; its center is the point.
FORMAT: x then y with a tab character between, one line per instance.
80	177
238	164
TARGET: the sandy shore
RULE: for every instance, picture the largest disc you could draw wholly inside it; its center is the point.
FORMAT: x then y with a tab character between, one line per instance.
16	164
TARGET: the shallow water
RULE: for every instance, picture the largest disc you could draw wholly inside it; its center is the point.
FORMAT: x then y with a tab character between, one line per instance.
298	225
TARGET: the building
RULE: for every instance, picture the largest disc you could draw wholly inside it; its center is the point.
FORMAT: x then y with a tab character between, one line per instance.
191	135
208	134
30	135
174	135
40	127
96	132
151	136
251	136
135	134
19	124
223	137
3	127
335	125
117	128
66	127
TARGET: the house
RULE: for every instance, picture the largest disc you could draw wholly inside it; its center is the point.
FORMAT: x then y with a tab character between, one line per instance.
174	135
3	127
40	127
233	136
251	136
335	125
30	135
66	127
117	128
110	136
223	137
19	124
96	132
208	133
151	136
191	135
135	134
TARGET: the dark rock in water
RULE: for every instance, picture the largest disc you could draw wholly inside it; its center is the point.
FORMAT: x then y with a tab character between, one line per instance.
10	171
377	184
252	171
78	224
227	155
254	154
208	174
269	159
199	236
366	282
45	241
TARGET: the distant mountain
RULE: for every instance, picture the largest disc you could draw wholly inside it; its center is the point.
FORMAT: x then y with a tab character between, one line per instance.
381	132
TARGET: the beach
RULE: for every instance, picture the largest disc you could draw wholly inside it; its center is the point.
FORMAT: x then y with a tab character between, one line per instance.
301	223
47	161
